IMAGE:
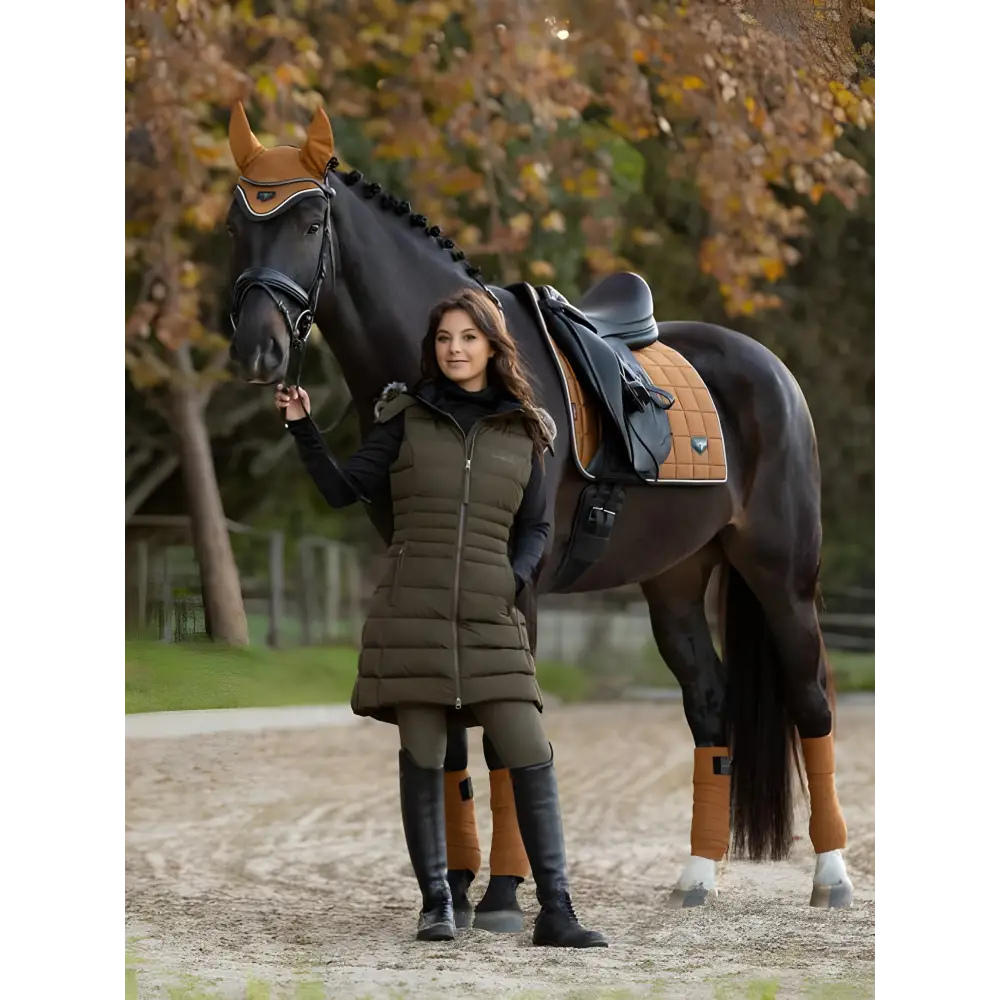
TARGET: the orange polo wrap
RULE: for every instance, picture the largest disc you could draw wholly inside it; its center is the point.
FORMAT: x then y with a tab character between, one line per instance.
507	854
710	815
461	831
827	829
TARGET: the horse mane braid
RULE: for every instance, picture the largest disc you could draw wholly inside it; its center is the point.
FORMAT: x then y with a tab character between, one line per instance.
398	206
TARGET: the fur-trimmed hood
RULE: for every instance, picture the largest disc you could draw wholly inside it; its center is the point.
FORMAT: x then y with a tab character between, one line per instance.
387	395
394	389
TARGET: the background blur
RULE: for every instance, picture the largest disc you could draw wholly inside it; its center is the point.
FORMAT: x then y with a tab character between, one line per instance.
725	151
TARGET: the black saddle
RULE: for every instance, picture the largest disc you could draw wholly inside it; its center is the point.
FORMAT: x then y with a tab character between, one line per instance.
614	318
620	306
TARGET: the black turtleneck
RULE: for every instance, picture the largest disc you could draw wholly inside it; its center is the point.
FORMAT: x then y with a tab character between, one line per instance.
367	470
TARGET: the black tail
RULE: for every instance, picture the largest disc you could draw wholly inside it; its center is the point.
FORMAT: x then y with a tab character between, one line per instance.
762	738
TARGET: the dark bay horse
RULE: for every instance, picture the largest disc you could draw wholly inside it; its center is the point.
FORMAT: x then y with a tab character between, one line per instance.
314	244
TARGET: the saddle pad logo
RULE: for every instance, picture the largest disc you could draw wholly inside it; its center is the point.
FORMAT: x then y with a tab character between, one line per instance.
265	195
700	444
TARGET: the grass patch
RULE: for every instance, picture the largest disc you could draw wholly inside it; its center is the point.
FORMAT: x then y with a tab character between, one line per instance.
853	671
170	677
164	677
564	680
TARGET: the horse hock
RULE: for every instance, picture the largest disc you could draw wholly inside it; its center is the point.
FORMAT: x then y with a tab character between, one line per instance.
709	828
498	910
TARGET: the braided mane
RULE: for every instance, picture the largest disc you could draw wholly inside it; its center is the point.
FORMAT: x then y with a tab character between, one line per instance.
400	207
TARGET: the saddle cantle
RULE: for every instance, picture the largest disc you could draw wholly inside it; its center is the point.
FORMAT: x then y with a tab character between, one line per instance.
640	412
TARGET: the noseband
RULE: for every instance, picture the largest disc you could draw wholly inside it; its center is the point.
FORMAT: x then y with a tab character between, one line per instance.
280	287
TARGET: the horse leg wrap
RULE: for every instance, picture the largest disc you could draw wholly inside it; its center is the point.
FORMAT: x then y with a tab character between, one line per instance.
827	829
507	854
461	831
710	814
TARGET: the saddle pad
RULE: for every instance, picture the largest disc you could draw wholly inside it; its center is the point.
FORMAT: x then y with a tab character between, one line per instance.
693	416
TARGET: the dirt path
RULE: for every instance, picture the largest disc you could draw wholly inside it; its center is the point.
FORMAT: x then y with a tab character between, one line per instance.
278	858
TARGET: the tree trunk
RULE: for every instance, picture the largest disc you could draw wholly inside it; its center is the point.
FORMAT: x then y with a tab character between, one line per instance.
821	28
225	616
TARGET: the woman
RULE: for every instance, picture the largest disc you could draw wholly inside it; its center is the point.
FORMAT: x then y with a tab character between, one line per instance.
462	455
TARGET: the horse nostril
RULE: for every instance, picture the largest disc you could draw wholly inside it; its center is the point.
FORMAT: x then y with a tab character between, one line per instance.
273	353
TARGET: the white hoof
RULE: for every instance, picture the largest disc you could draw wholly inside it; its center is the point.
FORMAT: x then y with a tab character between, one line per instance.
832	889
696	886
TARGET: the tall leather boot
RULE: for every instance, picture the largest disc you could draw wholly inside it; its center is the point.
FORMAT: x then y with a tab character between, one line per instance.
421	797
537	799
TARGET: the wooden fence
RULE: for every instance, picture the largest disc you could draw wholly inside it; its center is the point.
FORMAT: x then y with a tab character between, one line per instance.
315	590
301	593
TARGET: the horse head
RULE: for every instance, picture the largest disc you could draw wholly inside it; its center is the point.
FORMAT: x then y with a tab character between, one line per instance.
283	247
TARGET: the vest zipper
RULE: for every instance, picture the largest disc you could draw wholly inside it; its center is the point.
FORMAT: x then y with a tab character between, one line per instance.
470	445
469	441
466	479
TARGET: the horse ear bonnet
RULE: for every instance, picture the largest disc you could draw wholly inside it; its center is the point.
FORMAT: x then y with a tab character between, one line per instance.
271	180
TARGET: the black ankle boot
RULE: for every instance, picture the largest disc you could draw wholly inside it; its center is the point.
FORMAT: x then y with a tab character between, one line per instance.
421	796
460	879
538	816
499	911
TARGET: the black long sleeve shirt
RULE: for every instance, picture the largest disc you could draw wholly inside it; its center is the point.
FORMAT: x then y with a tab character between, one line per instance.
367	471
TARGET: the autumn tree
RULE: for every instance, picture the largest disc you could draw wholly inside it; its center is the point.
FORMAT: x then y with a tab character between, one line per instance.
698	142
511	117
185	62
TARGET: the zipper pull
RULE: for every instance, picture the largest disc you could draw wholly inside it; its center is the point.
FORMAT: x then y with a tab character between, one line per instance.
468	464
458	703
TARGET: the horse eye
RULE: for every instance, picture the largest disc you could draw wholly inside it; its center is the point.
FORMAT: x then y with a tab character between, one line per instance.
313	229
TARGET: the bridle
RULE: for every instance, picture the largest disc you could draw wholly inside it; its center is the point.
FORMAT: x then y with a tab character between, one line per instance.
277	284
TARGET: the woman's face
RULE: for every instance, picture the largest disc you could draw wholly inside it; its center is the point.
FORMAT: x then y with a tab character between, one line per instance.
462	350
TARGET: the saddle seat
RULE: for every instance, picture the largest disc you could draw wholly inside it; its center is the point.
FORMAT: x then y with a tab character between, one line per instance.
619	305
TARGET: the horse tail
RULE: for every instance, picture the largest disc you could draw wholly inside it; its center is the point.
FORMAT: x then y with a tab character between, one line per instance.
762	738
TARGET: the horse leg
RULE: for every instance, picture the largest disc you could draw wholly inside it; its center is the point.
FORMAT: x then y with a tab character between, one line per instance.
782	585
499	910
676	602
461	831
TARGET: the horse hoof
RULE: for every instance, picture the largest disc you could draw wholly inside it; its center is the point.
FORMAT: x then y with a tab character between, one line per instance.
681	899
833	897
832	889
696	886
463	916
499	921
443	930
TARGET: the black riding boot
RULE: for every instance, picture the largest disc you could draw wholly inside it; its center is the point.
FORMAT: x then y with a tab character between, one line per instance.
538	816
421	796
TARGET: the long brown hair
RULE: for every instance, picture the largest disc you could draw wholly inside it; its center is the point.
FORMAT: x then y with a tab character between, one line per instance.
503	369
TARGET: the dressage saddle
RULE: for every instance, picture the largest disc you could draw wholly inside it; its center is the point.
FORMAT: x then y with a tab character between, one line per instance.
614	318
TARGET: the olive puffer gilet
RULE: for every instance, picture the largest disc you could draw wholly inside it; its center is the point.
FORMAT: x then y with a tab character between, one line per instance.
442	628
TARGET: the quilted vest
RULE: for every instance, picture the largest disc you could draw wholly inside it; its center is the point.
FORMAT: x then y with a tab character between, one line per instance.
442	628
